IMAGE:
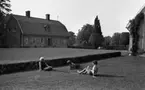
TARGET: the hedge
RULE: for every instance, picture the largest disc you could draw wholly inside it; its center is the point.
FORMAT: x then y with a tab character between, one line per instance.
34	65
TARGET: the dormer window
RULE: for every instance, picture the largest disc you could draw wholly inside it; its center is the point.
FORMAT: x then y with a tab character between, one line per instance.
47	28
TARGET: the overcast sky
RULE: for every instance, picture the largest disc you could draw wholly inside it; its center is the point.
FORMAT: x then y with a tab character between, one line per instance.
113	14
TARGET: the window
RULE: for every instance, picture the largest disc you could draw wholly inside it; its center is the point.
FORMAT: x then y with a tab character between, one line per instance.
26	40
47	28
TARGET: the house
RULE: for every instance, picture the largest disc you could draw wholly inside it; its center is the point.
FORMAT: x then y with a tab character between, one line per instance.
27	31
139	36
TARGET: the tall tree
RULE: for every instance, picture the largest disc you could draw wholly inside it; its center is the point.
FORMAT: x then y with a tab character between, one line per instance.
96	37
97	26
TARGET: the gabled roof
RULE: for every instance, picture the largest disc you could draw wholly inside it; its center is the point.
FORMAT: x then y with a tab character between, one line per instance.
37	26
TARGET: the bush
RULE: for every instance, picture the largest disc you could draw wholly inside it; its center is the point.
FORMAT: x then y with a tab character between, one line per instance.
81	47
120	47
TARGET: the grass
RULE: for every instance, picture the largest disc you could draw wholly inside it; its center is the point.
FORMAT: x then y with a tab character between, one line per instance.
121	73
33	65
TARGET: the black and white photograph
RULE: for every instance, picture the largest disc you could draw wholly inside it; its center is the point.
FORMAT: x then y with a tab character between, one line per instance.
72	45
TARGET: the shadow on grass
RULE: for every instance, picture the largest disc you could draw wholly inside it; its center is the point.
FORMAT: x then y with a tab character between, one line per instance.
105	75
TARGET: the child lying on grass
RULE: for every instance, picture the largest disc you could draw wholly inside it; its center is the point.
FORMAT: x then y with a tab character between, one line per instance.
73	65
89	71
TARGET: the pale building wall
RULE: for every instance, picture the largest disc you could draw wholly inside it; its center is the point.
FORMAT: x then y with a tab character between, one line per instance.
141	44
143	35
130	42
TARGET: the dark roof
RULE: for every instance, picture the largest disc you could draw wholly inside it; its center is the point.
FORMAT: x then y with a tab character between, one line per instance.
37	26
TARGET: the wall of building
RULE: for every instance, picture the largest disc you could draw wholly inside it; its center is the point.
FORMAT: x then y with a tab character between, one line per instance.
43	41
33	41
59	41
13	33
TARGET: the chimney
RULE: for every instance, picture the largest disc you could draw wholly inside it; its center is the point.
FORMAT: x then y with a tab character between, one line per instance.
28	14
48	16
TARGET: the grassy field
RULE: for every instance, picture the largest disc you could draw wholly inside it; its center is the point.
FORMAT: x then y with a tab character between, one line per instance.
10	55
121	73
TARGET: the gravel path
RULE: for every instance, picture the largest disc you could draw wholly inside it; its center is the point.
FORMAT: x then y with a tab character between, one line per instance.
122	73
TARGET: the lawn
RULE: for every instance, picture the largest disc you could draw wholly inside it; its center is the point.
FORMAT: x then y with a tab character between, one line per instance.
8	55
121	73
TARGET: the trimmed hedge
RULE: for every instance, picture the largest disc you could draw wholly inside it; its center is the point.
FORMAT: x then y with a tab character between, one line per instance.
121	47
34	65
81	47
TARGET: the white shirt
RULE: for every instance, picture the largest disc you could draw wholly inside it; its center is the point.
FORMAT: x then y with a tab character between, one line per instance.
94	69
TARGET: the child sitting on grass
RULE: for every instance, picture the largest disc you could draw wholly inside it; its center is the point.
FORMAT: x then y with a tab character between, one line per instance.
89	71
43	65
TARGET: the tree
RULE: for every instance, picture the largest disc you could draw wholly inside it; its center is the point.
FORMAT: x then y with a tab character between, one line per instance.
96	40
4	9
97	27
107	41
124	39
72	38
96	37
115	39
84	34
91	34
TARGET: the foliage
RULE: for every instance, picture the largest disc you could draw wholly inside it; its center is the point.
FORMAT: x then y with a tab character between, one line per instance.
119	41
4	8
124	38
84	34
95	40
116	39
134	27
90	35
96	37
72	38
107	41
97	27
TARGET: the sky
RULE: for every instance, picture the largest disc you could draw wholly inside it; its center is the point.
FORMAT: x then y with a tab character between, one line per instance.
113	14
